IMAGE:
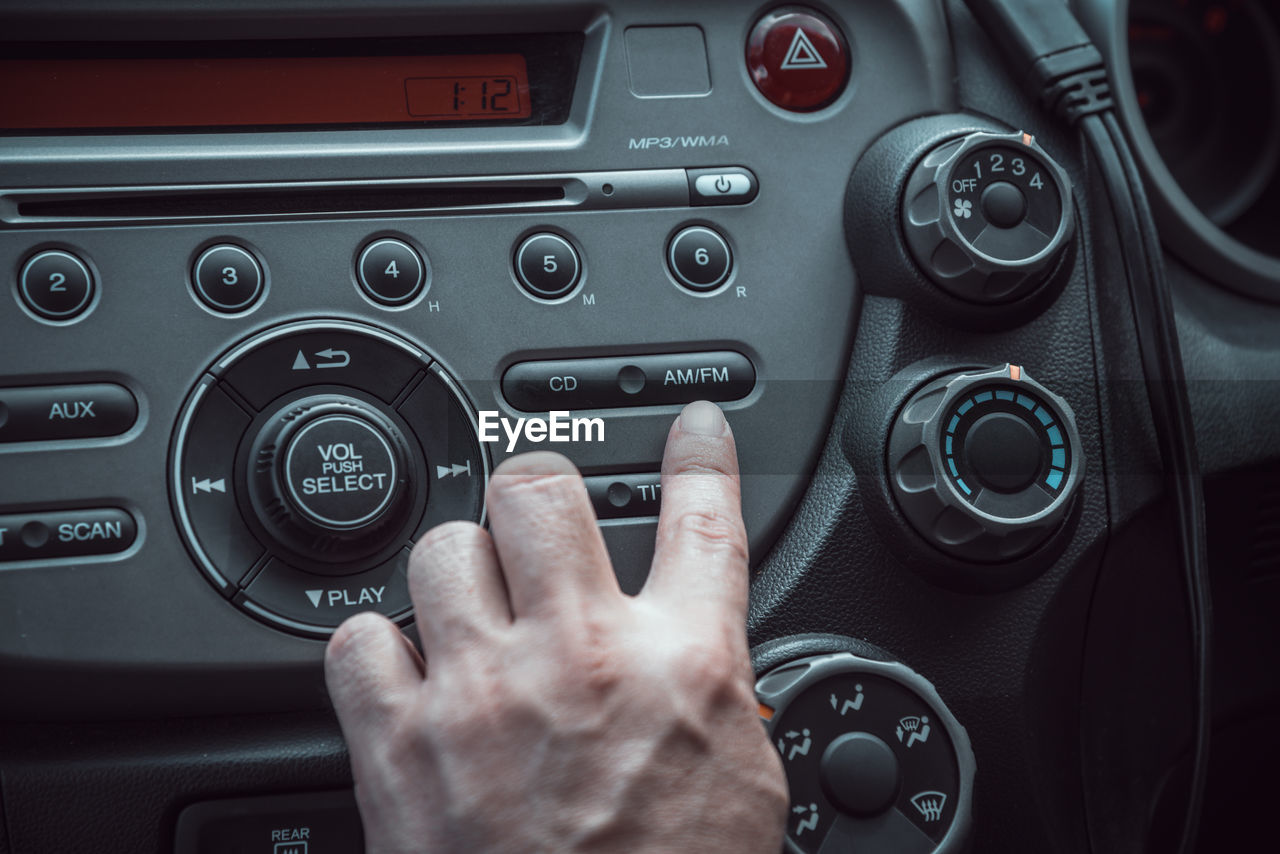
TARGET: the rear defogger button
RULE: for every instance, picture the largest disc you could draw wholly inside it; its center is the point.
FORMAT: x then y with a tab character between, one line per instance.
673	378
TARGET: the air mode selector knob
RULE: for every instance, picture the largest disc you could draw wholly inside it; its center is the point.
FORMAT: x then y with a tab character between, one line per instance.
329	474
984	464
987	216
875	762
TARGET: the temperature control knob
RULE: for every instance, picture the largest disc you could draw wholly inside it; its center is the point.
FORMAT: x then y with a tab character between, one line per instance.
984	464
987	216
874	761
328	474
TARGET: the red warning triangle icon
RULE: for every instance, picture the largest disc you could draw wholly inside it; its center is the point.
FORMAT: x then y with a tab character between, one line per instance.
802	54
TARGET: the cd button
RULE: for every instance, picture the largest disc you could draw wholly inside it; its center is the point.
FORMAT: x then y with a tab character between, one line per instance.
228	278
56	284
628	381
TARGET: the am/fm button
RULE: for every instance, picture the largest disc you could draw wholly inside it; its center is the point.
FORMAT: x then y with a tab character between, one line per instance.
670	378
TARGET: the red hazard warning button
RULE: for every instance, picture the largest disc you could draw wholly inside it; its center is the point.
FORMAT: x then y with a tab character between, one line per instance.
798	58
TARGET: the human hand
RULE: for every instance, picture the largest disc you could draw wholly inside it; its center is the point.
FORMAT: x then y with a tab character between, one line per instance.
555	713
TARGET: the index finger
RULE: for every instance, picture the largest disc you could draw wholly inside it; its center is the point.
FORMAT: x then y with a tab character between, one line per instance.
701	550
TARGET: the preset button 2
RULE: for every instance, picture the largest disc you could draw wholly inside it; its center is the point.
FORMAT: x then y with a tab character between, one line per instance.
56	284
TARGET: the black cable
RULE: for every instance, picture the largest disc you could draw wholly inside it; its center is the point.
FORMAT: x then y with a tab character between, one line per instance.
1170	407
1047	47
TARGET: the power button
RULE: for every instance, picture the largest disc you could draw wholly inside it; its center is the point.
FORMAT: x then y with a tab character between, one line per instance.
723	185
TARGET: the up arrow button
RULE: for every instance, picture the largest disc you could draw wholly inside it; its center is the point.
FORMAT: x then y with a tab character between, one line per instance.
724	185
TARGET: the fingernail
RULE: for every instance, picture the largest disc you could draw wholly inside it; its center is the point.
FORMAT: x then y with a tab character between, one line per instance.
704	418
536	462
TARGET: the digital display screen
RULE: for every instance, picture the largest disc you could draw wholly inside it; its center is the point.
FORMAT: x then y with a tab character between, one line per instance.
257	92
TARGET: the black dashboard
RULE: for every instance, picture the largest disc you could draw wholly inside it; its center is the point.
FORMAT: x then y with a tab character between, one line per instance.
284	281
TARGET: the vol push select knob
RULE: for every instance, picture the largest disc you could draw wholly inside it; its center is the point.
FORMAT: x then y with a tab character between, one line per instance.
984	464
329	473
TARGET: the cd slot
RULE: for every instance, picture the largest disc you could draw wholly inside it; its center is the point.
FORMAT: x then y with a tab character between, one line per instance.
252	203
420	197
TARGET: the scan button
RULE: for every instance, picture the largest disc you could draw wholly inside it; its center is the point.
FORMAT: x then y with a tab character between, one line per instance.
65	533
